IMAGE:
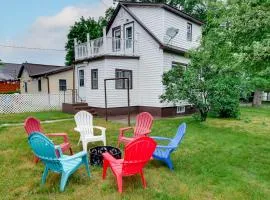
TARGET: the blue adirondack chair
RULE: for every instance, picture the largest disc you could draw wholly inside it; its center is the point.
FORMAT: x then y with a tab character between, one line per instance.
162	152
54	159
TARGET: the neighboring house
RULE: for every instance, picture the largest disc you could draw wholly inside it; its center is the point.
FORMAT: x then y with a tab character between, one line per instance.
8	78
37	78
141	42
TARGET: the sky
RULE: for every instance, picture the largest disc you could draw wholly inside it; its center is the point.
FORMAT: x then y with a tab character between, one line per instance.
42	24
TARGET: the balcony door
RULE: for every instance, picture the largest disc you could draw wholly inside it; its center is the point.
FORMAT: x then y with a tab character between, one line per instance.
129	37
116	42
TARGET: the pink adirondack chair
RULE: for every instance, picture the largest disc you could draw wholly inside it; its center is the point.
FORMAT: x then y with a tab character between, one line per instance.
136	155
32	124
142	127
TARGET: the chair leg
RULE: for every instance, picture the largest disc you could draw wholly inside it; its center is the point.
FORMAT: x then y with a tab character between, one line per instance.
85	160
143	179
104	141
85	146
119	183
79	141
169	163
70	150
44	175
105	166
64	178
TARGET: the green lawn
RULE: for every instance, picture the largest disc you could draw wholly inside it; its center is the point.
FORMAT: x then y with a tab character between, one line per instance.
219	159
19	118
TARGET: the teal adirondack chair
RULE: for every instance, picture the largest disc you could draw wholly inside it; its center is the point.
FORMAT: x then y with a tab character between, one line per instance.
54	159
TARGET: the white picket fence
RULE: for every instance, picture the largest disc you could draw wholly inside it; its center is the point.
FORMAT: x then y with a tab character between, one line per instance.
19	103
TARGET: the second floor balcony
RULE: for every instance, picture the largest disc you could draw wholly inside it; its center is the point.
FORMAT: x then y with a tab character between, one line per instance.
106	46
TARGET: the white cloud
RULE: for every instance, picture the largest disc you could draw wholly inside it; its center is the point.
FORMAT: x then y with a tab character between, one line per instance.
49	32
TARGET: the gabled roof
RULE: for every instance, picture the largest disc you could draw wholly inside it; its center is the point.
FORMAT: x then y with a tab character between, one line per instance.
37	70
9	71
180	13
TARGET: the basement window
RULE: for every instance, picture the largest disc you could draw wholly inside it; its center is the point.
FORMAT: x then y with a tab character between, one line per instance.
180	109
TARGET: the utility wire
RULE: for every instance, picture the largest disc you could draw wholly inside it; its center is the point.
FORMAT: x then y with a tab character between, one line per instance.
30	48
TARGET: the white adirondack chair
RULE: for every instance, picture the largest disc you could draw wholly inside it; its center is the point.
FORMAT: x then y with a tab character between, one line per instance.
84	122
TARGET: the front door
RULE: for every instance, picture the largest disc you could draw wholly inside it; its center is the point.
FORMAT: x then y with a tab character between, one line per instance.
81	84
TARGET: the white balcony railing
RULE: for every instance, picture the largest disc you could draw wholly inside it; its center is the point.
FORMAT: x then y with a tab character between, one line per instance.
106	46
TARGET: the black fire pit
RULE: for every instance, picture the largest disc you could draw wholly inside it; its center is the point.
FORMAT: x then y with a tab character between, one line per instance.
96	157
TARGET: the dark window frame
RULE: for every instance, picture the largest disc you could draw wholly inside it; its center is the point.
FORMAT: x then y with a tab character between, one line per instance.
189	34
93	87
61	86
81	81
123	82
39	85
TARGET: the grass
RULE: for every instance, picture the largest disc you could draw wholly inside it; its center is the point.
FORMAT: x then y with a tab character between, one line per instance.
19	118
218	159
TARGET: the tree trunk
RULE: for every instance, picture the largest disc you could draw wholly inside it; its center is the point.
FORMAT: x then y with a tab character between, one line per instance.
257	98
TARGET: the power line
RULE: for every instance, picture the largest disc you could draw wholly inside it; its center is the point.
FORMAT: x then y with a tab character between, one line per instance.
30	48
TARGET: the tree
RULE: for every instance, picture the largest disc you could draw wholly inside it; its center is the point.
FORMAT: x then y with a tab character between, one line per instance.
237	38
80	29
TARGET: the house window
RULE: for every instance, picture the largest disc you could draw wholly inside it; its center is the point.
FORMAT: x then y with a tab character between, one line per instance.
116	42
39	85
25	87
62	84
178	64
180	109
81	78
94	78
189	31
122	83
129	35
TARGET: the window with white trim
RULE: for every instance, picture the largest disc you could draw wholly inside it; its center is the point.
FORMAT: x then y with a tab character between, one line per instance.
180	109
62	84
94	78
122	83
189	31
81	77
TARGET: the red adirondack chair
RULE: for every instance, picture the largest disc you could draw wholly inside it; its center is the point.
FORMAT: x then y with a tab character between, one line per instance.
136	154
142	127
32	124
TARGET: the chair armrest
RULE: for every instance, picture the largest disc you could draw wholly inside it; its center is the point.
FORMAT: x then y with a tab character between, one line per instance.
122	130
160	138
77	155
165	147
77	129
58	150
100	128
64	135
107	156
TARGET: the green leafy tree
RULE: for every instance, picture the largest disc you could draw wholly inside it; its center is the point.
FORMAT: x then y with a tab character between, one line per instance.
80	29
237	38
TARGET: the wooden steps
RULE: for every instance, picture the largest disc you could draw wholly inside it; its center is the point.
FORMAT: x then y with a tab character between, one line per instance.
76	107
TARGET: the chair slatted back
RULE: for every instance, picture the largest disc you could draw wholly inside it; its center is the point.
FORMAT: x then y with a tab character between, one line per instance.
32	124
179	135
84	121
44	149
137	154
144	123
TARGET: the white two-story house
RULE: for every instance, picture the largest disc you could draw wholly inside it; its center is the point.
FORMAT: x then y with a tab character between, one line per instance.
141	42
